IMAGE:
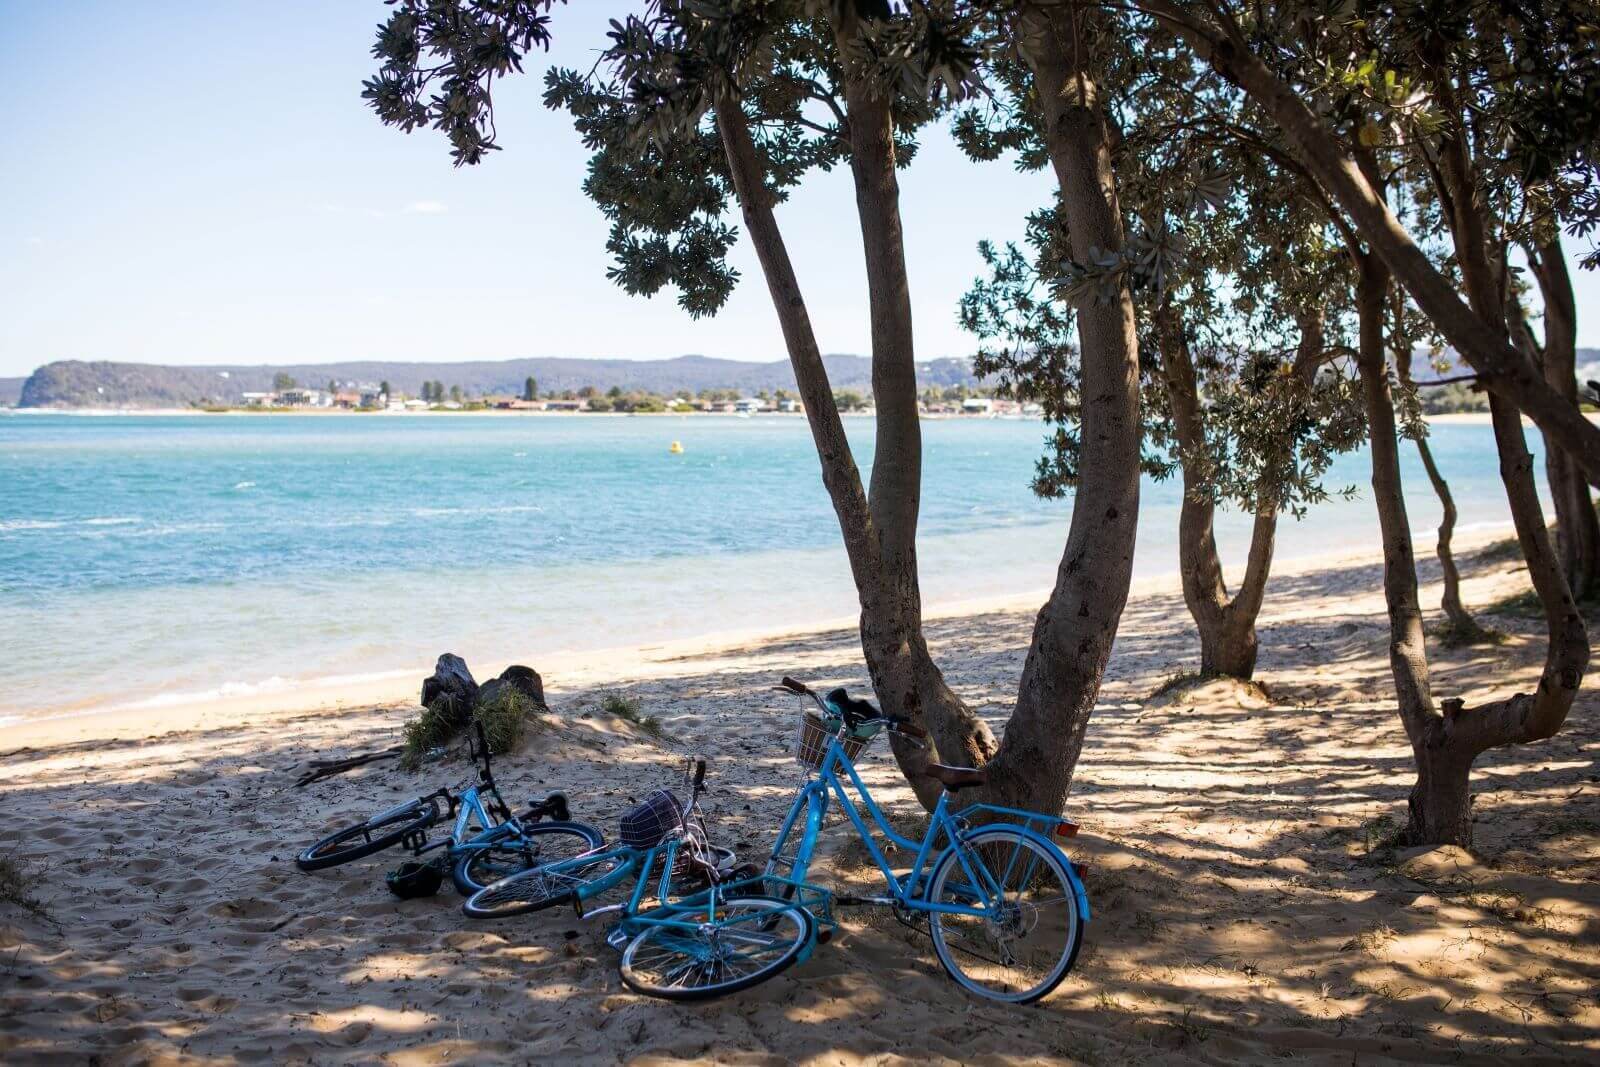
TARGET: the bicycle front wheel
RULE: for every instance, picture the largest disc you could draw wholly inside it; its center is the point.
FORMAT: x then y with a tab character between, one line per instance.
1023	930
374	835
751	940
543	887
537	845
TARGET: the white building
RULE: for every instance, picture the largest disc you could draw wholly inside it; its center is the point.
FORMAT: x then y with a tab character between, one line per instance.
749	405
259	400
304	398
977	405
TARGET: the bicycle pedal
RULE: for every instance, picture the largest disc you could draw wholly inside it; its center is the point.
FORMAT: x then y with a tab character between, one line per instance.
617	938
824	936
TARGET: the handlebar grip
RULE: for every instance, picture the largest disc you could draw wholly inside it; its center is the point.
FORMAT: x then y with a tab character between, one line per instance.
699	773
793	686
910	729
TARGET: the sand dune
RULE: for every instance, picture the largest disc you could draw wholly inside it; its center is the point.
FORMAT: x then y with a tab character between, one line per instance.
1247	906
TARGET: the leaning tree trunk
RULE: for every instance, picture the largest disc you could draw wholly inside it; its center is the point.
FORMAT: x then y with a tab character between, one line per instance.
1440	803
904	675
1459	620
1446	745
1577	525
1074	631
1480	341
1227	626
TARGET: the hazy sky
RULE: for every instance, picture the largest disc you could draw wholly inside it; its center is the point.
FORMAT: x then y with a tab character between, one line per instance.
200	182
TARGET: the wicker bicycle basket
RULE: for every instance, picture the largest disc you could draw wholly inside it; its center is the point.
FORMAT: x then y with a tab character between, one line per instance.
648	822
816	732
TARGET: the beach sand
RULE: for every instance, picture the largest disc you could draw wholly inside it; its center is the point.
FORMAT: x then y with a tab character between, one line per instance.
1247	906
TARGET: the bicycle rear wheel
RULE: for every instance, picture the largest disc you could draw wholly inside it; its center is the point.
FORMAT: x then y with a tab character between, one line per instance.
374	835
1028	936
751	940
537	845
543	887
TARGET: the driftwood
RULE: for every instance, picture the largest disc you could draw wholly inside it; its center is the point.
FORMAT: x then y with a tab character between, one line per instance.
318	769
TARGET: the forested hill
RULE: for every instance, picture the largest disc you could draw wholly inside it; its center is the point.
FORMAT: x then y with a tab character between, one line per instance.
10	391
76	384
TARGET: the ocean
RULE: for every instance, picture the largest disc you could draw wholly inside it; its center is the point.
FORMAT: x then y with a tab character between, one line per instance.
147	560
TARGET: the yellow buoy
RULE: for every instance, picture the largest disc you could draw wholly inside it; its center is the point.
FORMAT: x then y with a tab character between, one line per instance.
676	449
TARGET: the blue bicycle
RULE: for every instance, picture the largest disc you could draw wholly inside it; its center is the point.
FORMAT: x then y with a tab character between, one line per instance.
682	935
486	841
1003	905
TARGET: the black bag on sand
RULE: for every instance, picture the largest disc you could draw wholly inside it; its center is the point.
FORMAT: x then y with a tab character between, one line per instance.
413	879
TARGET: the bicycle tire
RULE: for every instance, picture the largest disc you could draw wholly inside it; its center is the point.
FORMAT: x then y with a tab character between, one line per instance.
539	888
481	866
1065	898
395	825
654	950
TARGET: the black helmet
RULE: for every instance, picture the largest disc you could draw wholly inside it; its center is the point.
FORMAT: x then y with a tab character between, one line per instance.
413	878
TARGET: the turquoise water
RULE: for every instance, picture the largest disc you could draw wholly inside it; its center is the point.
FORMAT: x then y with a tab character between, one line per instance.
152	558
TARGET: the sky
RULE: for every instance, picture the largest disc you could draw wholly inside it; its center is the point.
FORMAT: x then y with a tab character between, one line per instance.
201	183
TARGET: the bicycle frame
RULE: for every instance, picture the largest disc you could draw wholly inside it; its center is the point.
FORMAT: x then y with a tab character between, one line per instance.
811	802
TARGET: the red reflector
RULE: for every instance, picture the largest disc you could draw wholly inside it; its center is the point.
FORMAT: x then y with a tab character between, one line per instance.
1066	829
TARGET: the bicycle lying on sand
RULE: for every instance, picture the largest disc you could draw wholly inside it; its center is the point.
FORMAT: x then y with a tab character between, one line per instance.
685	940
486	841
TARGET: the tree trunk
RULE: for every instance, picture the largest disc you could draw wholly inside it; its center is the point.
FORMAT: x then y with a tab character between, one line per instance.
1481	342
840	475
1408	654
1226	626
1074	631
1459	622
1445	745
1577	526
904	676
1440	804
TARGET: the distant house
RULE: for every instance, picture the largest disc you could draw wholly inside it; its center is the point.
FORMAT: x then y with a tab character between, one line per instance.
346	400
373	397
749	405
303	398
565	405
260	400
790	405
977	405
412	405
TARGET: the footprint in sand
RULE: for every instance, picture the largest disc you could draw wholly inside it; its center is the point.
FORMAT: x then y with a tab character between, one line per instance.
207	1000
244	908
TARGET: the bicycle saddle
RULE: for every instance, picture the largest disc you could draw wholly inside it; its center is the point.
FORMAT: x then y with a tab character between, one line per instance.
956	778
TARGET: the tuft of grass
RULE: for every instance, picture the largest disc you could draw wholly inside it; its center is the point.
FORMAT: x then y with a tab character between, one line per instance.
1190	1029
1453	635
1176	682
1371	940
1499	551
630	710
1525	604
505	718
1381	834
428	731
18	886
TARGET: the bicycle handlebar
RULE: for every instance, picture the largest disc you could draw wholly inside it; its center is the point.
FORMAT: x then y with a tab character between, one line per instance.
850	714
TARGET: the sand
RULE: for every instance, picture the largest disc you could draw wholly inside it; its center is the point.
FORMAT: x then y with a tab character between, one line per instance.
1248	908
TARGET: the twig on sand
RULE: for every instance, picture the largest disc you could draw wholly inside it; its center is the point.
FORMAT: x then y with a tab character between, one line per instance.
318	769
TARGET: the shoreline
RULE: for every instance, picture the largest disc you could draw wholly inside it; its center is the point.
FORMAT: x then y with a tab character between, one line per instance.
567	668
1467	418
